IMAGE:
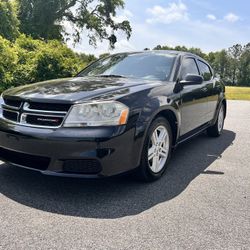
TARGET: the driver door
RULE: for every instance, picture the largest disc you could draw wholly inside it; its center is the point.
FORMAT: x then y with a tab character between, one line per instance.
194	106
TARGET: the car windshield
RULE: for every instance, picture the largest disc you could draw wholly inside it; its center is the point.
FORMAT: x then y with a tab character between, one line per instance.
155	66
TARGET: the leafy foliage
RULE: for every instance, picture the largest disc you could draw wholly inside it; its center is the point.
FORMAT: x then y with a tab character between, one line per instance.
28	60
196	51
233	65
8	20
244	67
46	19
8	60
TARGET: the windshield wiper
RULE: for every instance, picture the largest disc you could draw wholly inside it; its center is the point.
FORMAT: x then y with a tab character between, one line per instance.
117	76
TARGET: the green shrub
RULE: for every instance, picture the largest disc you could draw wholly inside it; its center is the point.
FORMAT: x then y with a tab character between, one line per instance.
55	60
9	23
28	61
26	49
8	60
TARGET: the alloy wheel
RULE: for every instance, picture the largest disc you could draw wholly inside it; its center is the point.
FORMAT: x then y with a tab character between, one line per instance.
158	149
221	119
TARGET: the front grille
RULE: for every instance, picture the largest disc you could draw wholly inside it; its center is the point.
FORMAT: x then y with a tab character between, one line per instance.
48	121
49	106
26	160
83	166
12	102
35	114
10	115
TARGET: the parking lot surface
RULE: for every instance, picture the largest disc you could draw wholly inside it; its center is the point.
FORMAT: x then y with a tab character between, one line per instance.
202	202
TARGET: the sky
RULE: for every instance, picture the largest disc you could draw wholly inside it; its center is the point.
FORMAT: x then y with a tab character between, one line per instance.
210	25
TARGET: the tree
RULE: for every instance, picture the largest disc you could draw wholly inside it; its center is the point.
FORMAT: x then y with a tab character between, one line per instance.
244	67
235	53
165	47
104	55
220	62
196	51
55	60
87	58
46	19
8	60
39	60
8	20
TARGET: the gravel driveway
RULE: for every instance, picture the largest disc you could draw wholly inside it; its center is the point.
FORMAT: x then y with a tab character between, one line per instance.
203	201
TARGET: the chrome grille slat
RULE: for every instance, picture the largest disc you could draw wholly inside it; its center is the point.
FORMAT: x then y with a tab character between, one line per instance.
5	106
26	108
54	107
38	118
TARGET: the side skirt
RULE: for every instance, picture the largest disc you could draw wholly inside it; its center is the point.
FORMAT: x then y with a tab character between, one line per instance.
192	133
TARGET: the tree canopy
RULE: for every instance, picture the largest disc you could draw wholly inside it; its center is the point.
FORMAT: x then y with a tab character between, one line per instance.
29	60
9	23
46	19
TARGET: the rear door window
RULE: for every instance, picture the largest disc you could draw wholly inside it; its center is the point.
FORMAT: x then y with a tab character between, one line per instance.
205	71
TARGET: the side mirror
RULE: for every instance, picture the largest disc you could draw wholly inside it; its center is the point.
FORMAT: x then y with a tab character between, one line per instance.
192	80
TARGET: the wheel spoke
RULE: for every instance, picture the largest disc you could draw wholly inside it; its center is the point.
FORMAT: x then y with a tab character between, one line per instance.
151	153
155	163
163	152
154	137
162	136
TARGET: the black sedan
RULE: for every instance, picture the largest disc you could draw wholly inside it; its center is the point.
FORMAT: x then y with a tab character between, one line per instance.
124	112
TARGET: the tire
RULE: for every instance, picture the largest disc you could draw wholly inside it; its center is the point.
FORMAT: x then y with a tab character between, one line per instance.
150	169
217	129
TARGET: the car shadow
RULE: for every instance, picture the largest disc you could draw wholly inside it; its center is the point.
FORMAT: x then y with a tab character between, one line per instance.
113	197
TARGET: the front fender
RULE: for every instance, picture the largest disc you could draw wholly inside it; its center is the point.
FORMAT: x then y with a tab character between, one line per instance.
149	112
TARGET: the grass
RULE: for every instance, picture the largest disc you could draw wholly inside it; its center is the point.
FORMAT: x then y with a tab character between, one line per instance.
238	93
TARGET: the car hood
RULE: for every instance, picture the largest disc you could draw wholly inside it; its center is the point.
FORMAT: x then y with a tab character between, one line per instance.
79	88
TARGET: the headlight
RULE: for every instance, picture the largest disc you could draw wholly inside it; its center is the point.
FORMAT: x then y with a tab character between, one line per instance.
109	113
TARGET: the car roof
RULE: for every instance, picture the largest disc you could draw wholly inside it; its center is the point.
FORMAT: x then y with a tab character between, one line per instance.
171	52
175	52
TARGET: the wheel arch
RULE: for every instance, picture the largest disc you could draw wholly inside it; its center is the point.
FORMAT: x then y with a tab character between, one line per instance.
171	117
224	102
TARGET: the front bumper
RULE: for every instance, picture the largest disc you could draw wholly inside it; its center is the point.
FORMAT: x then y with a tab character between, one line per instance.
107	151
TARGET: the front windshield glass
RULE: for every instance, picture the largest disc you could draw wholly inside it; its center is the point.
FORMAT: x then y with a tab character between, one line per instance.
155	66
